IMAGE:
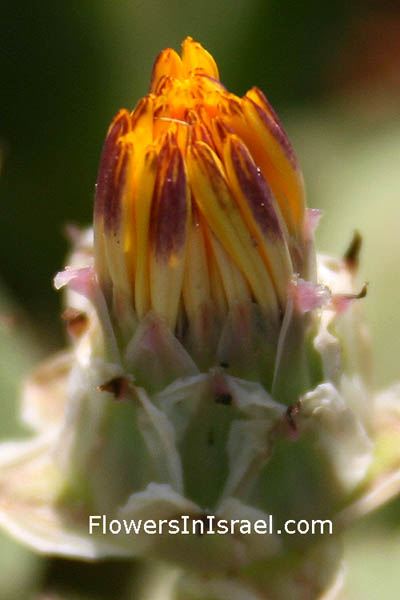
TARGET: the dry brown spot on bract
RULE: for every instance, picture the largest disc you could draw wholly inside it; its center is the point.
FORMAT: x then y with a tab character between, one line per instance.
118	387
352	254
76	321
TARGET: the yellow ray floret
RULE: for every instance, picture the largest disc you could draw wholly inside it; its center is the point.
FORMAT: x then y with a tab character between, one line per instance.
221	212
194	56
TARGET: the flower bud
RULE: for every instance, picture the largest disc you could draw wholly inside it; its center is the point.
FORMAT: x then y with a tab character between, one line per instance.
199	215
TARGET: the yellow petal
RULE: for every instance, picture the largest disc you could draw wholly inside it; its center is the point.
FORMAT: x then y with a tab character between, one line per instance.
196	284
260	213
168	63
256	95
280	164
144	188
236	288
266	142
194	56
216	285
215	200
142	119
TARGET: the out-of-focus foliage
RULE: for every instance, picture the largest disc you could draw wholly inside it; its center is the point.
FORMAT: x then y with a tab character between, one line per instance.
372	558
330	70
352	173
19	568
18	353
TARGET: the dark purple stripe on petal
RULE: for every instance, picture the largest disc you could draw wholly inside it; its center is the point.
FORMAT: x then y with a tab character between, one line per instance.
155	69
169	212
222	129
256	190
140	109
264	100
210	167
200	134
113	208
274	126
108	163
212	79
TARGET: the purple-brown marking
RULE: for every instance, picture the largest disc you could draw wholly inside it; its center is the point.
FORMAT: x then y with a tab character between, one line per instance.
108	163
221	128
264	100
215	177
169	207
164	85
199	131
213	80
275	128
155	67
139	111
235	106
256	190
115	208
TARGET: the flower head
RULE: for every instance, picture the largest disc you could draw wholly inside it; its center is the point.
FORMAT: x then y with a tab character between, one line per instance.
199	203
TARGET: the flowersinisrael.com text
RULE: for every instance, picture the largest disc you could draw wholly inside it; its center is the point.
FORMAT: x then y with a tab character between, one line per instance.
207	524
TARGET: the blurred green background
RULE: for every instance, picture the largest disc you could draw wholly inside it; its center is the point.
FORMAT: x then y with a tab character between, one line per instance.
331	70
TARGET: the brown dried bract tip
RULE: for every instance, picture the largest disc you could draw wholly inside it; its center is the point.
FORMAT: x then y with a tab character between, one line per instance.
224	398
363	291
352	254
361	294
222	393
76	321
290	416
118	387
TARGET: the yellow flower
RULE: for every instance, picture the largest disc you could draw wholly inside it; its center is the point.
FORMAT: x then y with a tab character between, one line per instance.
200	200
